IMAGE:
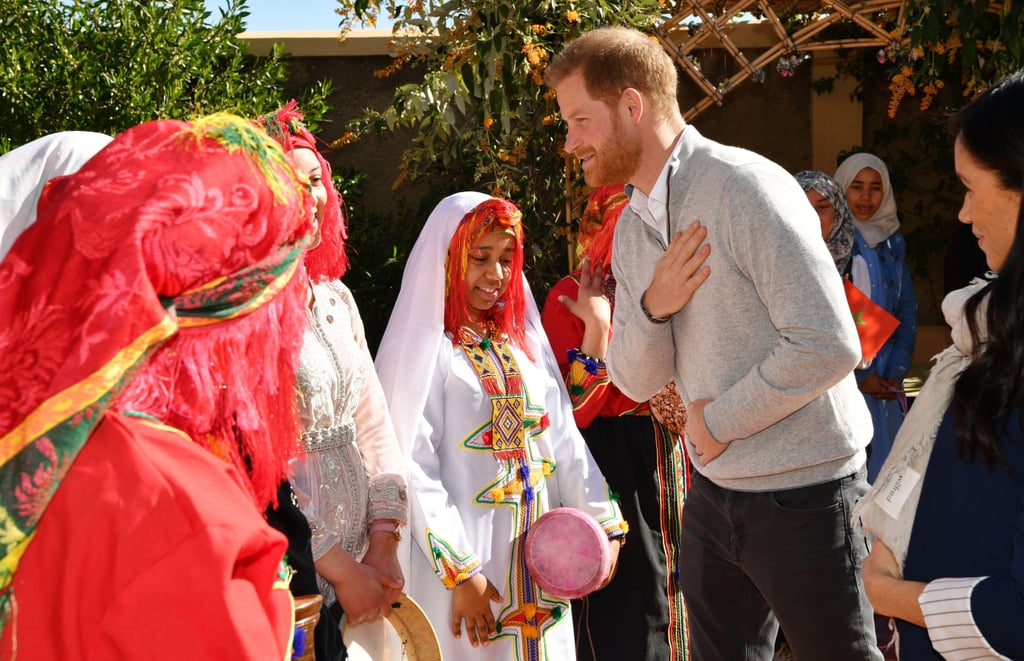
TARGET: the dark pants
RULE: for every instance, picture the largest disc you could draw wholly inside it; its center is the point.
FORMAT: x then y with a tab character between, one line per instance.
754	561
288	519
640	614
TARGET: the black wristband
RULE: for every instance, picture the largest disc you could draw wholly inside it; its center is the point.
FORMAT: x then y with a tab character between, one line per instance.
651	317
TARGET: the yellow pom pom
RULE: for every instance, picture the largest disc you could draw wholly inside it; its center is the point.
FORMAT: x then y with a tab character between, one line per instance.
461	577
624	527
547	469
530	610
497	494
448	583
531	631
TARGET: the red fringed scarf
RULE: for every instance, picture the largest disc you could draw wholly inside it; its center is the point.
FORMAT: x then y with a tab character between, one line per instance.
173	225
327	261
597	226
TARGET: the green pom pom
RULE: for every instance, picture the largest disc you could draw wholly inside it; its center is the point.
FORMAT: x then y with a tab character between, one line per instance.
497	626
576	390
437	553
558	613
485	343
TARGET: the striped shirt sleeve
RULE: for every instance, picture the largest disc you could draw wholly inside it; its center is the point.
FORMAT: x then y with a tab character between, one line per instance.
946	605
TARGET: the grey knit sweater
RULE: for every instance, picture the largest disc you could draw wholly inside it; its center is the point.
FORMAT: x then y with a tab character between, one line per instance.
768	337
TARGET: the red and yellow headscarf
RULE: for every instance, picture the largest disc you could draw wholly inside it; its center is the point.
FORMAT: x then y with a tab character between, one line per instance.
597	226
158	278
327	261
508	314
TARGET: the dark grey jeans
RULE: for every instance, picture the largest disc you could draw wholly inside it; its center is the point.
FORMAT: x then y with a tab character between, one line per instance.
751	562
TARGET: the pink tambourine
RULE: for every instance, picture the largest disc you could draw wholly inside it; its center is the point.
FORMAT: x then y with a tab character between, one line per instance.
567	553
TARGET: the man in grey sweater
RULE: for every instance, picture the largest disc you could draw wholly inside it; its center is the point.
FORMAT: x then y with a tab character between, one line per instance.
725	285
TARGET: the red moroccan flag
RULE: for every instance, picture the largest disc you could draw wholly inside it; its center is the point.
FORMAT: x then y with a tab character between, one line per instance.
874	324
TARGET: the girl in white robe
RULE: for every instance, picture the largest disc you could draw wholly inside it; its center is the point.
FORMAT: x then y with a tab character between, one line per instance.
480	407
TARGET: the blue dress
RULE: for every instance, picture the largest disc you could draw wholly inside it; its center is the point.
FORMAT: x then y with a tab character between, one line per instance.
892	289
970	523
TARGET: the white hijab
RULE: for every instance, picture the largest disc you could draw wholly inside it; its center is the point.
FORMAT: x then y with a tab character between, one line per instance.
408	351
24	172
884	223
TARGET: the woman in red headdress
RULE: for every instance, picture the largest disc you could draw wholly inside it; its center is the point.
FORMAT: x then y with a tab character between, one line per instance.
641	614
147	412
351	483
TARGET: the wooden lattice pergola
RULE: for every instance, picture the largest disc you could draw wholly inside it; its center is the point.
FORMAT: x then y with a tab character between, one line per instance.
698	24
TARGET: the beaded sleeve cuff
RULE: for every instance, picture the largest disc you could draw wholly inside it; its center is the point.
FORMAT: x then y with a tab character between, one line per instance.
586	374
388	499
322	539
451	567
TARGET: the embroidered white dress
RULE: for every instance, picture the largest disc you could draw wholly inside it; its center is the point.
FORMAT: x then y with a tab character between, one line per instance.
468	511
353	471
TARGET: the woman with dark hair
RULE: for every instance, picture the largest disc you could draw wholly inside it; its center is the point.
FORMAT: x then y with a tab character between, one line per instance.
948	506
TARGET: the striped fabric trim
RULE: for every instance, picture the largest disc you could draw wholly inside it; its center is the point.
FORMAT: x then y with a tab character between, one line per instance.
946	605
60	407
672	476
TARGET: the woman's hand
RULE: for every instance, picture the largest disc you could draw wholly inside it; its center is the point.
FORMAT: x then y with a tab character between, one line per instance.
382	555
886	589
591	305
363	591
878	387
471	602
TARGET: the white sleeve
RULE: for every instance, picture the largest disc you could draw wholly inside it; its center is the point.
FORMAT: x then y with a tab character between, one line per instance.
859	275
578	480
439	531
946	605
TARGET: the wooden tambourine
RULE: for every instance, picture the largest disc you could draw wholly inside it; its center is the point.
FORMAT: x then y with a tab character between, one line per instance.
307	614
408	624
567	553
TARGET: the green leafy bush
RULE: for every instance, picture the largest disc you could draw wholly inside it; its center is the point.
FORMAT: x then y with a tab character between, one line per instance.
108	65
482	117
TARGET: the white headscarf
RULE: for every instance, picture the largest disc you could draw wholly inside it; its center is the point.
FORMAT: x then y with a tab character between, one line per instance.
913	445
407	354
24	172
884	223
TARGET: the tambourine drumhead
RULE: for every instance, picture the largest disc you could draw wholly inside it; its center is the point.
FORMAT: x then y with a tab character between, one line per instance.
409	636
567	553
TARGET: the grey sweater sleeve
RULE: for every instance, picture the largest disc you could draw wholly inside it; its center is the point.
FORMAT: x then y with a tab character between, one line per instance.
641	355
